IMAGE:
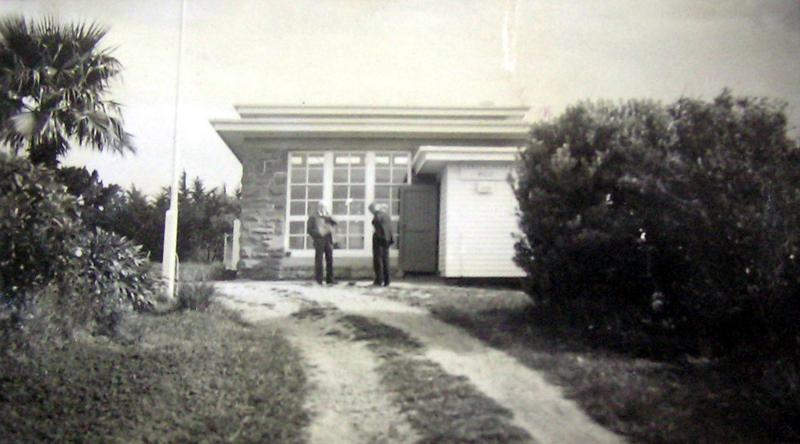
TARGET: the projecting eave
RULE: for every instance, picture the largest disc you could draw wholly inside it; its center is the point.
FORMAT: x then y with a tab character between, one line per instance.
431	159
236	131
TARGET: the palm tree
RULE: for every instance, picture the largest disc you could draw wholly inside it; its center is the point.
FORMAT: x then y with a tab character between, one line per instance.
53	80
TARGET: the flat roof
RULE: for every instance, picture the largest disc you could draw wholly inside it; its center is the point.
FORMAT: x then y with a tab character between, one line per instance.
370	112
422	123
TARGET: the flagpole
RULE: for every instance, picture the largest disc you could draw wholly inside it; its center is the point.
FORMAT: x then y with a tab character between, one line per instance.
170	255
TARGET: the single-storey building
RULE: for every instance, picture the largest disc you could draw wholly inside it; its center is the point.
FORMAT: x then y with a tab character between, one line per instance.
442	172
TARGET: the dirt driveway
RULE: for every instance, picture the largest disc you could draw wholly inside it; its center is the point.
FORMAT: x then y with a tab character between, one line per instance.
351	402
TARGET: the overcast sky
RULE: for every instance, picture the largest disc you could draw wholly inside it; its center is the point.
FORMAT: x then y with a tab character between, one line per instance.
544	54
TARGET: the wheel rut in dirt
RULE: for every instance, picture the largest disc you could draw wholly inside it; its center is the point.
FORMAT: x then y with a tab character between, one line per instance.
536	407
347	400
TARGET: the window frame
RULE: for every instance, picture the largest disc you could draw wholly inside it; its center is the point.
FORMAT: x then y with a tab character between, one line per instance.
289	184
394	189
327	196
349	184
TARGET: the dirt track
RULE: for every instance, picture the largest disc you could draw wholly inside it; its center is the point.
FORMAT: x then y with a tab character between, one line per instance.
348	402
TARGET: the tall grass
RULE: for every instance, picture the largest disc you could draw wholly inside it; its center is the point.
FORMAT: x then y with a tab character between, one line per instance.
181	377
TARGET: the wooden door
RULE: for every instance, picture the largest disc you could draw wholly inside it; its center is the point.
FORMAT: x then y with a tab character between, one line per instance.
419	228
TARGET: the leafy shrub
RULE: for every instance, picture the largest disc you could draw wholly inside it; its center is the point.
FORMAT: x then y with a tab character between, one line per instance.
673	222
108	274
216	272
581	246
195	295
38	220
75	274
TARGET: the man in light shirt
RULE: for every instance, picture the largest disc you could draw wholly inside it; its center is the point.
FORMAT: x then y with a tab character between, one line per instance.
320	227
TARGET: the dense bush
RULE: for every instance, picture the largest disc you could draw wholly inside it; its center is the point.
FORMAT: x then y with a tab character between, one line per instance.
195	295
49	259
38	220
54	81
106	275
136	218
678	223
98	202
205	216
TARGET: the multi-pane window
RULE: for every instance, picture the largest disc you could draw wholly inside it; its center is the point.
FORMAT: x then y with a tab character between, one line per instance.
391	171
349	194
346	180
306	189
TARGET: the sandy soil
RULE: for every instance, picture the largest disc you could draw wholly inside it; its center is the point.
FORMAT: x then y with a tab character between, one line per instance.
350	404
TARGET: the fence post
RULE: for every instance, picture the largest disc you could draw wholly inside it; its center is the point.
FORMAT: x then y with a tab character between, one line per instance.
234	246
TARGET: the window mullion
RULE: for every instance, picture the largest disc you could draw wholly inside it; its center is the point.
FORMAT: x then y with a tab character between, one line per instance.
369	198
327	180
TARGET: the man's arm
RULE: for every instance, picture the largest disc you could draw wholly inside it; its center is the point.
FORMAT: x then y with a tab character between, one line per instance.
311	228
386	223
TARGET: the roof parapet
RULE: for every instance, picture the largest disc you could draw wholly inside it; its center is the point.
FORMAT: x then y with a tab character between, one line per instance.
380	112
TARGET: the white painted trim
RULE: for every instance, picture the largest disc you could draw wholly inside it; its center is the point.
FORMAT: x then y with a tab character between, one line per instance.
327	181
369	197
288	217
468	149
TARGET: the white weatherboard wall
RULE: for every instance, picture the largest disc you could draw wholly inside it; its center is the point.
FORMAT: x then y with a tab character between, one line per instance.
477	219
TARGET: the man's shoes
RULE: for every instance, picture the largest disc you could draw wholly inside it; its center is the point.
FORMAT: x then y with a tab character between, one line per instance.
332	282
376	284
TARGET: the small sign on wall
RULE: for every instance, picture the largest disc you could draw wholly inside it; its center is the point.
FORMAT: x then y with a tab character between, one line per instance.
482	173
484	187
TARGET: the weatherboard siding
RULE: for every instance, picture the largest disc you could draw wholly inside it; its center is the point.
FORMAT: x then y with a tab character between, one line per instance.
479	215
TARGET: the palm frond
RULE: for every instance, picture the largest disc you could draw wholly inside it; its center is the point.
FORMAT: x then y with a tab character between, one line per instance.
65	73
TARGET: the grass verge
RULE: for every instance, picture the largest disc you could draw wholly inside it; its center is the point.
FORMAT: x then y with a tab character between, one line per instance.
180	377
644	400
443	408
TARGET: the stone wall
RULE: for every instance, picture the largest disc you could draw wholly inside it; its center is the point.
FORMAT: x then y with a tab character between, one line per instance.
263	213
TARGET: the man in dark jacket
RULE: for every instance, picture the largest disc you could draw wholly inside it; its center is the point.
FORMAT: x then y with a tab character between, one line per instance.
320	228
382	239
